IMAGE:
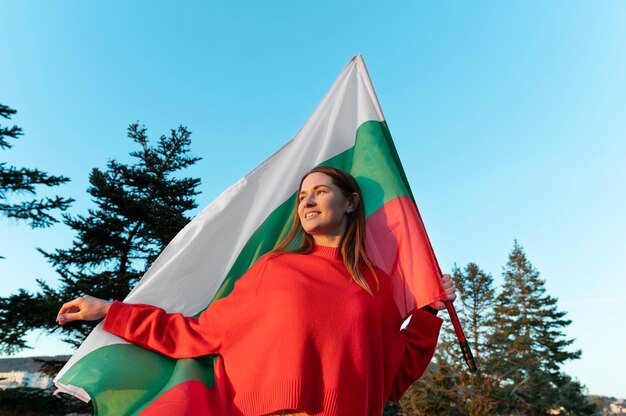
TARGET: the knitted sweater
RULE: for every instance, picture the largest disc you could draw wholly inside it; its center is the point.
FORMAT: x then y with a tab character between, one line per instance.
296	333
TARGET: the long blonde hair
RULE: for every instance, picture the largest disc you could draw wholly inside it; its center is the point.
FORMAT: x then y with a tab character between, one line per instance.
352	246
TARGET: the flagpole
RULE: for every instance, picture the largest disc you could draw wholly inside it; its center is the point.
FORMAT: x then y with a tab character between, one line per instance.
465	348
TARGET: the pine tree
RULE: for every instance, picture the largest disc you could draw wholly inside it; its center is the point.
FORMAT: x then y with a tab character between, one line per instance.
528	342
448	388
437	392
29	401
518	344
573	398
18	182
476	298
140	207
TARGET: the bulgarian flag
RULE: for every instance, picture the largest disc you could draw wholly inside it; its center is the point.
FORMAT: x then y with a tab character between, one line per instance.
202	263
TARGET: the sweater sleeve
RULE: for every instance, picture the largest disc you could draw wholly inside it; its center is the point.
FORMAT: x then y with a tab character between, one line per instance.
420	336
179	336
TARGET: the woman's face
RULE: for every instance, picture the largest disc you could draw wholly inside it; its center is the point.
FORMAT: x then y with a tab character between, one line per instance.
322	209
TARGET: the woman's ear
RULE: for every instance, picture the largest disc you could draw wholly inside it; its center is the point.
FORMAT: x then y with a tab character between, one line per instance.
353	202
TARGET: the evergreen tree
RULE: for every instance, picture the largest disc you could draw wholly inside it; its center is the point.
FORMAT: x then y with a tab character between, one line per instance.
448	388
572	397
518	344
528	342
28	401
139	208
465	393
17	182
437	392
477	297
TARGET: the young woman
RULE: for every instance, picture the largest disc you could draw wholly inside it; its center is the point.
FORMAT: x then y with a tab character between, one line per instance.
308	330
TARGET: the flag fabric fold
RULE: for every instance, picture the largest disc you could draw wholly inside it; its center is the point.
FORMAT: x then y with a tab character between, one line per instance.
201	264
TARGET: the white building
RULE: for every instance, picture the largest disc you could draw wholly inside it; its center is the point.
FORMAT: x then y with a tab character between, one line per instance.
12	379
618	407
25	372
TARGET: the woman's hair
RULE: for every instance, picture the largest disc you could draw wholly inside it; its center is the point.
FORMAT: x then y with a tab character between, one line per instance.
352	246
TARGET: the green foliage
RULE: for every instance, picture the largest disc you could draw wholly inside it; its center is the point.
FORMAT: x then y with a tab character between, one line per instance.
24	401
528	342
436	393
571	397
519	344
50	366
15	183
140	207
447	388
477	297
392	409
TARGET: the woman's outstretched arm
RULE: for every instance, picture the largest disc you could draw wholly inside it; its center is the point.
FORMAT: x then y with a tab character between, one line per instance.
171	334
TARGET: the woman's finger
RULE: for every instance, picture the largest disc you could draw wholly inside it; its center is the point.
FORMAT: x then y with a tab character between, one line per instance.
69	317
446	279
70	311
448	286
69	306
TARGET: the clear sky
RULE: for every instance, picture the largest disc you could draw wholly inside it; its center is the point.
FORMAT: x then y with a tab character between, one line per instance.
509	117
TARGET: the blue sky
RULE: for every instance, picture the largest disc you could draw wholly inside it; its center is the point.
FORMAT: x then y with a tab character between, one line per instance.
509	118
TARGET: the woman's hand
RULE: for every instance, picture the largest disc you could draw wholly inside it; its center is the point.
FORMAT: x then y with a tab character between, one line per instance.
448	285
84	308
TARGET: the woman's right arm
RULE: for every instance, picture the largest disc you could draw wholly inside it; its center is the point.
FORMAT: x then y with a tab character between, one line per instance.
148	326
171	334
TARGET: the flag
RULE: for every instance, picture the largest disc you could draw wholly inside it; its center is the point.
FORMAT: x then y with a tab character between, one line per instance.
202	263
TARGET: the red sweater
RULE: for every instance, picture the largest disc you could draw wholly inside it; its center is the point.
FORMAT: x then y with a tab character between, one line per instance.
296	333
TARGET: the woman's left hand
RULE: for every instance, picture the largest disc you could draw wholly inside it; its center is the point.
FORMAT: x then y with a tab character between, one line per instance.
83	308
448	285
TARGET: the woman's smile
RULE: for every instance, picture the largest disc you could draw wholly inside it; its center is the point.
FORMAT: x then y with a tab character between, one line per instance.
311	214
322	209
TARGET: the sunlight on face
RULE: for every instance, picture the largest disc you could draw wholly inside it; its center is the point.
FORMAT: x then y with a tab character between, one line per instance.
322	209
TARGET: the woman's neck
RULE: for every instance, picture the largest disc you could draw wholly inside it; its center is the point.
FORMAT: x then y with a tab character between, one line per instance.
327	240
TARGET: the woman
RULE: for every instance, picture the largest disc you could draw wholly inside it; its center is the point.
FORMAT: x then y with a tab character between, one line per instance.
311	330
